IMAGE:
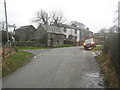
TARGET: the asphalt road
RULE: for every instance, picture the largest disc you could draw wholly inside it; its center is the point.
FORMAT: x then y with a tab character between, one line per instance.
71	67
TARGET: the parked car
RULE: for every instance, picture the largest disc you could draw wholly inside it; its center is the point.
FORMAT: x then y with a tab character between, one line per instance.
89	43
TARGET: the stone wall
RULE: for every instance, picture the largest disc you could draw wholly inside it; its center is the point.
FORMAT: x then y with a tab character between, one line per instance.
29	44
7	50
55	39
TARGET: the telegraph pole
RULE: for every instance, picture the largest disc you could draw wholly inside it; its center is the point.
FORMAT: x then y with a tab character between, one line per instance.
119	17
6	20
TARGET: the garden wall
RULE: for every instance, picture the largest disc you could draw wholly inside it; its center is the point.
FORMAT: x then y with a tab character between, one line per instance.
29	44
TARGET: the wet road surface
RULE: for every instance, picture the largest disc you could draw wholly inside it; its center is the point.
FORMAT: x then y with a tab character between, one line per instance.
71	67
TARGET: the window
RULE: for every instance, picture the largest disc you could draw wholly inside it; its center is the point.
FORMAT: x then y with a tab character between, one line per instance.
75	31
82	35
65	29
52	35
75	38
57	41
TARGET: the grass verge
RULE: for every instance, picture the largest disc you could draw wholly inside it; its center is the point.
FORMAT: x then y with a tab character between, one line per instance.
20	48
12	63
98	48
111	79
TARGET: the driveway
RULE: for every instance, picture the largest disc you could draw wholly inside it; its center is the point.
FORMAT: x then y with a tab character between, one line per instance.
71	67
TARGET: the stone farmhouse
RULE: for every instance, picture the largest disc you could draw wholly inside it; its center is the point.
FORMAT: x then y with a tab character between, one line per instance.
71	33
77	35
52	35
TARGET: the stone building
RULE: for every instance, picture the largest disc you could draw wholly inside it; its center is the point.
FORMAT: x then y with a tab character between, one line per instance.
83	34
75	34
50	35
25	33
70	32
88	34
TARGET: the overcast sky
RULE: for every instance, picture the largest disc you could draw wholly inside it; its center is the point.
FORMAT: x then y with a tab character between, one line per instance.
95	14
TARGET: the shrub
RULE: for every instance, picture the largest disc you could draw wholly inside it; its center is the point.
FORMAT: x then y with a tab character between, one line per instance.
111	47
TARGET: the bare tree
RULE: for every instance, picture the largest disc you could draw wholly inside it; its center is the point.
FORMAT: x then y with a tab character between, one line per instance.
42	17
112	29
87	28
54	17
78	24
103	30
2	25
57	18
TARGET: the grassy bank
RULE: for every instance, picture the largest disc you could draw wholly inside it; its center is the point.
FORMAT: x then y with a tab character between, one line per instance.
12	63
107	67
111	79
66	45
98	48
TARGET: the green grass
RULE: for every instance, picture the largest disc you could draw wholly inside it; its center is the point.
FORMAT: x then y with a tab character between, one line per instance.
98	48
12	63
65	45
20	48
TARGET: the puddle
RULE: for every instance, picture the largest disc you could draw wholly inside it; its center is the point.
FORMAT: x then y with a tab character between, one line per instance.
95	79
96	75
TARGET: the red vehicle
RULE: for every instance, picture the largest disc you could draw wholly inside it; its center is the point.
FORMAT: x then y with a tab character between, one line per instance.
89	43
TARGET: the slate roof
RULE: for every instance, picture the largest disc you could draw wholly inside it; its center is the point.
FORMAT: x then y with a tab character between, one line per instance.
24	27
52	29
67	26
71	27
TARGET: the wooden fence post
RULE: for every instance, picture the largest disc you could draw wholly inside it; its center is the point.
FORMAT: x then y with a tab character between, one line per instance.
3	52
